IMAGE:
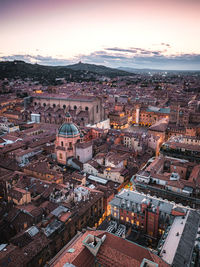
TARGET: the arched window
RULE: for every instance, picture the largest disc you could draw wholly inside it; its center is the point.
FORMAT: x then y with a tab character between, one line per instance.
54	105
44	104
64	106
49	114
97	109
35	103
62	143
82	119
75	107
86	108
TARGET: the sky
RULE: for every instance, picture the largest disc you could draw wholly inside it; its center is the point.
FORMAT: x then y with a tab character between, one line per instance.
159	34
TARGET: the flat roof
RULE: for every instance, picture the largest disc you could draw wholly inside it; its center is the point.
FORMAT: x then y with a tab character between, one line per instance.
97	179
172	240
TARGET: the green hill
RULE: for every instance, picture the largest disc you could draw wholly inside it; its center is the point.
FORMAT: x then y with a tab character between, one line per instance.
50	74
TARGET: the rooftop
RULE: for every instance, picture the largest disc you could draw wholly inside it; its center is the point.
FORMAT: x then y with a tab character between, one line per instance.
113	251
173	238
97	179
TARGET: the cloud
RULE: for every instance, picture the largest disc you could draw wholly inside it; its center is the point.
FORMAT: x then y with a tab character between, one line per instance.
145	59
134	51
121	57
131	50
164	44
43	60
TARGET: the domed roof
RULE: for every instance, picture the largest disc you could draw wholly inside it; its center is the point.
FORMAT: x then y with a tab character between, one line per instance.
68	130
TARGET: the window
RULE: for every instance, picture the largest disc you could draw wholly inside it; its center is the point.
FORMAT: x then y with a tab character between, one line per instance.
60	156
127	219
115	214
64	106
97	109
132	221
44	104
86	108
122	218
70	144
61	143
75	107
54	105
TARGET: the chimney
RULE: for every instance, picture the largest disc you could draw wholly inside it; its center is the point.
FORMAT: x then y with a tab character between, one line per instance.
93	243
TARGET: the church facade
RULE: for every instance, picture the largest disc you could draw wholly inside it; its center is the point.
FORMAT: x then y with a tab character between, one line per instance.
67	137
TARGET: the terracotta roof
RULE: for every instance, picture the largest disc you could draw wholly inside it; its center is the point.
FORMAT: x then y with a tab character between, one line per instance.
195	175
17	193
114	251
159	126
84	145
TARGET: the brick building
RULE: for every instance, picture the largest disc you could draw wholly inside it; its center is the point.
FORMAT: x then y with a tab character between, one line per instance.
84	109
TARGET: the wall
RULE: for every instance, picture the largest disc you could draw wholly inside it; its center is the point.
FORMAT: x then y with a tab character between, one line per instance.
95	107
84	154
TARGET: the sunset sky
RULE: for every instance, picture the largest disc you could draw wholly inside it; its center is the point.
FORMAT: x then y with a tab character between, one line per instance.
163	34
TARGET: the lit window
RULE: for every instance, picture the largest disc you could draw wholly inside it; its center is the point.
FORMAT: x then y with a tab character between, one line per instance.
127	219
115	214
132	213
137	223
122	218
132	221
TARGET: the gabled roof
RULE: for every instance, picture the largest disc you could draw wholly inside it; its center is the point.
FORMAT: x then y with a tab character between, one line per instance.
113	251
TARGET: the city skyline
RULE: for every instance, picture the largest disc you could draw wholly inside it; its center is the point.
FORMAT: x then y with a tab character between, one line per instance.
138	34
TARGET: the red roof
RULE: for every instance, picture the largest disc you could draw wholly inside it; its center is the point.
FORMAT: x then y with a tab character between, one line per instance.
114	251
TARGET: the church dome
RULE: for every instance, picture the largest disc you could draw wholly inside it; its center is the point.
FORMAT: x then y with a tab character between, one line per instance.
68	129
